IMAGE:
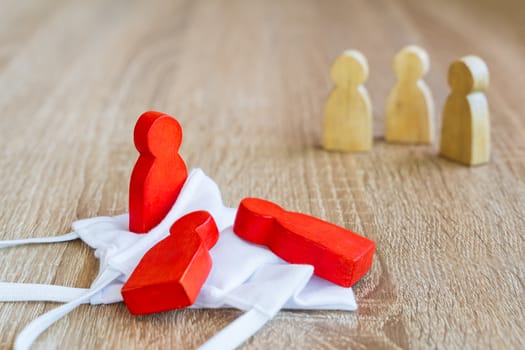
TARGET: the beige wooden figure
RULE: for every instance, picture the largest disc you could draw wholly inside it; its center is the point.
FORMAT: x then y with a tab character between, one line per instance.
347	114
465	133
410	107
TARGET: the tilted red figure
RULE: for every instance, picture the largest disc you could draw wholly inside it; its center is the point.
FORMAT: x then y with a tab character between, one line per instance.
172	273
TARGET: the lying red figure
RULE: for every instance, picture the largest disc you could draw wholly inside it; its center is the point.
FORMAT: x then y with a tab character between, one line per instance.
337	254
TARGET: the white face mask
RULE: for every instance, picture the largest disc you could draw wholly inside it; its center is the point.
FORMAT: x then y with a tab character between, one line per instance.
253	279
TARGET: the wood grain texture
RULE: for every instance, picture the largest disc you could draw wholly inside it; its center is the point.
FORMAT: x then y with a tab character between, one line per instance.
248	81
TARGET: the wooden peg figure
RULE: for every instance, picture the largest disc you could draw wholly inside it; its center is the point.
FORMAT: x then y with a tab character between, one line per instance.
465	133
348	114
159	172
410	107
337	254
172	273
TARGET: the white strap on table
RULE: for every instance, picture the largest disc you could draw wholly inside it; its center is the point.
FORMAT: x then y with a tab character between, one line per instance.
25	339
237	332
54	239
38	292
43	292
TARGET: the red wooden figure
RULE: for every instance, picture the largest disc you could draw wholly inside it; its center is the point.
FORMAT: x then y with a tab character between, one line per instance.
159	173
337	254
171	273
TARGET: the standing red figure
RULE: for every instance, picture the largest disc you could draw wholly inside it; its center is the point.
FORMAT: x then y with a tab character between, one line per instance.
159	172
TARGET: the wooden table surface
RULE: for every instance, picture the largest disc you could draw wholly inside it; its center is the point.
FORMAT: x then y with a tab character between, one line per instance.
248	81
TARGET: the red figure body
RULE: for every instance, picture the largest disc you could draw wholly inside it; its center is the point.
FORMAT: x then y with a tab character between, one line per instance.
337	254
171	274
159	173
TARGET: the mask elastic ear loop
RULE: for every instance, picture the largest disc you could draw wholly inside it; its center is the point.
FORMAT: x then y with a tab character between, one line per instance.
25	339
237	332
10	292
55	239
41	292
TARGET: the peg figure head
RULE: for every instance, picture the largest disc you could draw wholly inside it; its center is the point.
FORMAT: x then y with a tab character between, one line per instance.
157	134
350	69
468	74
411	63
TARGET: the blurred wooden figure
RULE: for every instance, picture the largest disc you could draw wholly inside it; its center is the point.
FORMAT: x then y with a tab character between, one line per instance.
465	133
410	107
347	114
